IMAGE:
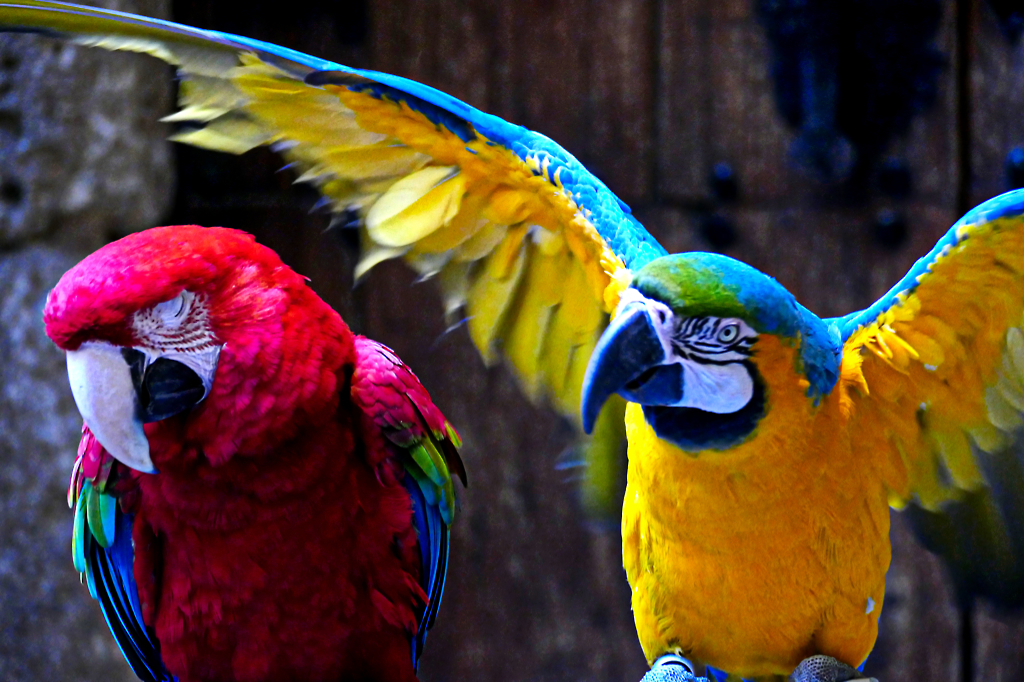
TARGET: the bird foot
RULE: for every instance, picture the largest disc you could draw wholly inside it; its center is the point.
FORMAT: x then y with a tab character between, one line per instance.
826	669
672	668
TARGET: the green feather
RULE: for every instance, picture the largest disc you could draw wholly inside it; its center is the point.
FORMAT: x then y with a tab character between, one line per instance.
102	509
90	581
605	474
453	436
103	477
94	518
78	535
448	496
430	491
688	286
430	462
108	512
73	484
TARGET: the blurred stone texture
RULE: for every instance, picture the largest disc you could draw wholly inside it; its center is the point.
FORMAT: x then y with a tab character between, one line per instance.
82	159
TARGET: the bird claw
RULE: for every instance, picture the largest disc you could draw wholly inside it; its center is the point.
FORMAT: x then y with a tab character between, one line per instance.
671	668
826	669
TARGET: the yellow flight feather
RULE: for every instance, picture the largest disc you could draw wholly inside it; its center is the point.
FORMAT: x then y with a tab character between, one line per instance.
415	206
204	98
963	383
490	298
540	292
229	133
371	153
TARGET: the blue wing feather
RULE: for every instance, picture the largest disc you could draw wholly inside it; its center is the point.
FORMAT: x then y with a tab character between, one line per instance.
110	569
433	539
609	215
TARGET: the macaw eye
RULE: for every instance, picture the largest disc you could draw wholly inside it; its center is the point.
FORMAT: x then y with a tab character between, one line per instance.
173	309
728	333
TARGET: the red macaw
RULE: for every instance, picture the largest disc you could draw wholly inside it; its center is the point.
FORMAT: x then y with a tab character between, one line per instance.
260	494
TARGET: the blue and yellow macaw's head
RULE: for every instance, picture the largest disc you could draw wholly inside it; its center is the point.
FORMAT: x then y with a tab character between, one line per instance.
685	343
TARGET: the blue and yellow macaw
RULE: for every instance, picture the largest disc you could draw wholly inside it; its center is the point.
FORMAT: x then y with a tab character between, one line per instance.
766	445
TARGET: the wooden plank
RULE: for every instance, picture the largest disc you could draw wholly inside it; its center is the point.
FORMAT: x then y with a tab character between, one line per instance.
621	97
788	244
534	592
919	629
738	11
591	94
996	99
931	147
682	101
543	80
745	129
305	25
828	258
581	73
999	642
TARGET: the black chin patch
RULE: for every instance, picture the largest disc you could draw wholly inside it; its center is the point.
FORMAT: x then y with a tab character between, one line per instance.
165	388
694	430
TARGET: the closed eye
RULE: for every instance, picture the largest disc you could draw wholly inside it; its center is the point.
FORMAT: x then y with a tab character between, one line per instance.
173	309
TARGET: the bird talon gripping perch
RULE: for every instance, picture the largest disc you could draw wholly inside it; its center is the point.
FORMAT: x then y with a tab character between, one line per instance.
672	668
826	669
765	443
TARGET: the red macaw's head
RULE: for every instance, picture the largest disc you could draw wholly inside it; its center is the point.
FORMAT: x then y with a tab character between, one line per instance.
201	334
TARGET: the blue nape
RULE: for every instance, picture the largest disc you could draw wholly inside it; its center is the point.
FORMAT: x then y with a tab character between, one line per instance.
719	285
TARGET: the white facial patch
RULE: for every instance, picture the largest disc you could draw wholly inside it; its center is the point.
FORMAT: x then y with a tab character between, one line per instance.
711	350
180	324
721	389
179	329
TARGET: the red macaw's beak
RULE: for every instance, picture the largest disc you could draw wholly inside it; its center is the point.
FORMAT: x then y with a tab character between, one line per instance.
117	390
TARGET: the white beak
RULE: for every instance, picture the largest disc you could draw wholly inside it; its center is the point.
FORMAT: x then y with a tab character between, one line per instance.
102	385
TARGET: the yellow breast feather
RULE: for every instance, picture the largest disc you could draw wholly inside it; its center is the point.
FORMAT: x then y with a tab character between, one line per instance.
753	558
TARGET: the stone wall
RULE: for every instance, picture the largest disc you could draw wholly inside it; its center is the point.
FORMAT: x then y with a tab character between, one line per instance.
82	159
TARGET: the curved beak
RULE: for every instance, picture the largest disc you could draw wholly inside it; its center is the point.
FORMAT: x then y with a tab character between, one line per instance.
102	385
117	390
629	360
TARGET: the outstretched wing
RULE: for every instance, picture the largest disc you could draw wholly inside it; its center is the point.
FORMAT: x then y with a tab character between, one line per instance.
398	418
935	374
101	546
522	238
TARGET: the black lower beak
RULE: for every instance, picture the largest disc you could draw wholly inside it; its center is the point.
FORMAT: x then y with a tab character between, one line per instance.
628	360
164	388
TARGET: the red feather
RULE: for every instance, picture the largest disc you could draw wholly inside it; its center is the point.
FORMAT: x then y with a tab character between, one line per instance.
276	543
396	406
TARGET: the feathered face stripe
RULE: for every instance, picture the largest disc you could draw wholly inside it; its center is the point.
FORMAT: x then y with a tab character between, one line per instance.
712	340
693	375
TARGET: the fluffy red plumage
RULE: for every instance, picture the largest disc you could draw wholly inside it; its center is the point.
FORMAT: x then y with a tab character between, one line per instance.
277	542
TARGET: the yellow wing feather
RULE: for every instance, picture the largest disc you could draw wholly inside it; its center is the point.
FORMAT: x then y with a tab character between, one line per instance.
445	203
509	241
942	370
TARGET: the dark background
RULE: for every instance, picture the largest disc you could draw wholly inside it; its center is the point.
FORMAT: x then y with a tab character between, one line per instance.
649	94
